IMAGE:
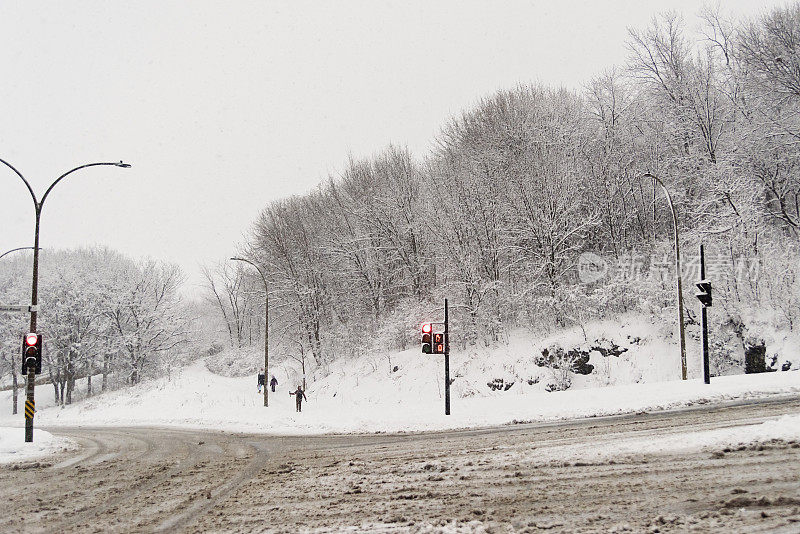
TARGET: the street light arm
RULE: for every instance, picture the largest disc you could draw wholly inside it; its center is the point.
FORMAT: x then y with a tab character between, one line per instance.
14	250
30	189
677	272
264	278
666	193
119	164
266	328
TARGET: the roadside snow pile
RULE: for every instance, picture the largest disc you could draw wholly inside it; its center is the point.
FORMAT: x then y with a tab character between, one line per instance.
386	401
611	368
718	441
13	447
785	428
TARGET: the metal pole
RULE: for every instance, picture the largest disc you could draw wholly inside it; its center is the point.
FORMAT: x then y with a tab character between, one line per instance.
35	284
266	331
266	346
677	273
14	384
446	362
38	204
704	322
29	403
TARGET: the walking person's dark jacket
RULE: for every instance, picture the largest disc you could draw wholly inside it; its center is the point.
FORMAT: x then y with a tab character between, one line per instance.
299	396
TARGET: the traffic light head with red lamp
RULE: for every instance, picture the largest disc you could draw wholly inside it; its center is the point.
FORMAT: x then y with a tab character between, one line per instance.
426	338
32	352
432	343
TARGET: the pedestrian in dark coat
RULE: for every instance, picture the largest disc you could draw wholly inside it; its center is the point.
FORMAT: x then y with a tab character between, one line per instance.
299	397
273	383
261	379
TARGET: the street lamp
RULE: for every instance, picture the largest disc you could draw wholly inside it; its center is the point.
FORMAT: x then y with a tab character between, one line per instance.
677	272
14	250
266	327
38	204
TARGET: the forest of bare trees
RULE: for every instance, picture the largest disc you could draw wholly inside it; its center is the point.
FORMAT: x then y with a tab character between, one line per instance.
496	218
103	315
521	184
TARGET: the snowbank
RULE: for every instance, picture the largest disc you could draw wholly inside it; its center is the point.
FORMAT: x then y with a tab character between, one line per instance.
197	398
13	447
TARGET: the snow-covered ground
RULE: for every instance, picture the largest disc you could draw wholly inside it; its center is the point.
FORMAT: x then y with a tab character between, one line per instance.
403	391
197	398
13	447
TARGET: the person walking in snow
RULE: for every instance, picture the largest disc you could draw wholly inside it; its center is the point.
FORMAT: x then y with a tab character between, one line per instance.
273	383
261	379
299	396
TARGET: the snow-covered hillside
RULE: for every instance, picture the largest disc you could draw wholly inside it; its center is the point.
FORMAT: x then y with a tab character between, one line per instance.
404	391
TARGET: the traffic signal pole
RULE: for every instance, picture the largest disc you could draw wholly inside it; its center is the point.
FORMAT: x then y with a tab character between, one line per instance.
30	403
439	343
704	322
446	362
38	204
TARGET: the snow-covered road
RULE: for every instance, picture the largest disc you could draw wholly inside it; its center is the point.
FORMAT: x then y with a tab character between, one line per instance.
516	477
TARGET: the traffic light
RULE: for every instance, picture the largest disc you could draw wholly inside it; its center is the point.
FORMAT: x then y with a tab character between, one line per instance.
704	295
32	352
438	343
426	338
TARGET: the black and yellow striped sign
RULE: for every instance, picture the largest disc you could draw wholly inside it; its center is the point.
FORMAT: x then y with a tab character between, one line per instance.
29	409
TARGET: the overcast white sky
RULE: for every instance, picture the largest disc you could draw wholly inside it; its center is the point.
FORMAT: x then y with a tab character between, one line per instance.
222	107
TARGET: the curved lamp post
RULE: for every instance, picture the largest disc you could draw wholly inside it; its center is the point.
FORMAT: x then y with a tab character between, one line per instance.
266	327
677	272
38	204
14	250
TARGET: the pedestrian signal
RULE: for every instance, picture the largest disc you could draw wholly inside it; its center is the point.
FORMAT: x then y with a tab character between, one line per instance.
438	343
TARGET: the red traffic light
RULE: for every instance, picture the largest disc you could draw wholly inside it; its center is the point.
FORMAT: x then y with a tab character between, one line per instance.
31	339
426	328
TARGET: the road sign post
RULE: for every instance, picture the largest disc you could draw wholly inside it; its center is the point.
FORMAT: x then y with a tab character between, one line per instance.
704	295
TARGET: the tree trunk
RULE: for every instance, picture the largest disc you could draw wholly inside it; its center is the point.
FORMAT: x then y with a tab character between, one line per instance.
105	372
89	384
55	381
70	387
